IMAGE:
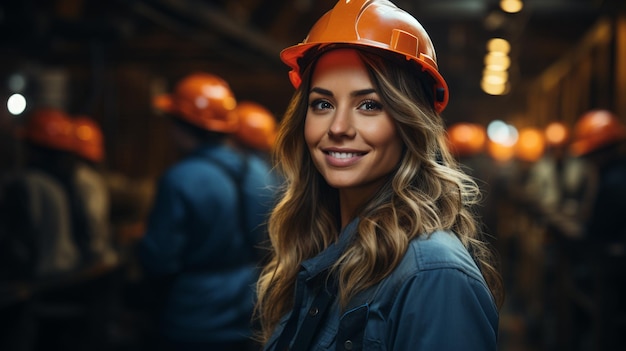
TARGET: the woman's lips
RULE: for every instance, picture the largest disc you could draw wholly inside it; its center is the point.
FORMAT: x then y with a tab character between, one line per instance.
343	158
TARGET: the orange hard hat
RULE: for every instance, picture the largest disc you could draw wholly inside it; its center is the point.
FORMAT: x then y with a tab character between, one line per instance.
377	24
204	100
466	139
49	127
596	129
88	139
257	125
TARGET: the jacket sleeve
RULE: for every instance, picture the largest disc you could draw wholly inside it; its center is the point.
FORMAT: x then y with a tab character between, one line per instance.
161	244
606	223
443	309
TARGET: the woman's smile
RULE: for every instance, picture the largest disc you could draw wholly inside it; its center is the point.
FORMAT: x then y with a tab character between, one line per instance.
342	158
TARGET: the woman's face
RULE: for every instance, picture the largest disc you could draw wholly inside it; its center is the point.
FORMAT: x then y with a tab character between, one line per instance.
351	138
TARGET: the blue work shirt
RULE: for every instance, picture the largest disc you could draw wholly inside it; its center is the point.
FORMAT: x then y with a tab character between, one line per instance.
435	299
194	234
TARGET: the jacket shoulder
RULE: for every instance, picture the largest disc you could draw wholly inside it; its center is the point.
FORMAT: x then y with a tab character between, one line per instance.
436	251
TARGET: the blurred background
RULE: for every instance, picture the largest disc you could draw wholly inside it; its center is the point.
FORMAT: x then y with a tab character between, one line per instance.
521	74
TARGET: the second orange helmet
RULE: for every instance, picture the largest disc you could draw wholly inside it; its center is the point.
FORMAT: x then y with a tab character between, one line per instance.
204	100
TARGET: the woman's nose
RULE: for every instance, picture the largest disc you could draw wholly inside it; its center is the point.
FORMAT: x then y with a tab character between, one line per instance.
342	124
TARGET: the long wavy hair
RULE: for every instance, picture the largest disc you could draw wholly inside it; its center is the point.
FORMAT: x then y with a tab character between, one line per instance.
426	192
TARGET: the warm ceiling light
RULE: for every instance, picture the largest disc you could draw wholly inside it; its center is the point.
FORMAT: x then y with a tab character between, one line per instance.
498	45
530	145
499	152
493	89
495	61
466	139
556	133
511	6
495	77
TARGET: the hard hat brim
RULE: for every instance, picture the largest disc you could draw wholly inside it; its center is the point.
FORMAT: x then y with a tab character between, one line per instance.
291	56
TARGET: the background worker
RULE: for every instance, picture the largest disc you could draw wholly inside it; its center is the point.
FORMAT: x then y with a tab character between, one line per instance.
207	221
92	187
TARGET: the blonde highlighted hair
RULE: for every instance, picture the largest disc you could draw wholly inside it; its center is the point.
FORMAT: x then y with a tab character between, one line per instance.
426	192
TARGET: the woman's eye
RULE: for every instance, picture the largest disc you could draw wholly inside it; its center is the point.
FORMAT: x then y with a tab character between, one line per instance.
320	105
371	105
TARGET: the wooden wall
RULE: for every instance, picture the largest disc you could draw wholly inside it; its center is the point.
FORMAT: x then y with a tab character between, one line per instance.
593	75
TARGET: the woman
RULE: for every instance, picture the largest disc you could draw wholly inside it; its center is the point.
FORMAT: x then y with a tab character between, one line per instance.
374	245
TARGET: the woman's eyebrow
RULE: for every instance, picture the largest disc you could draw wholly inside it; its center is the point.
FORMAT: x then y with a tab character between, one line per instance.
363	92
326	92
321	91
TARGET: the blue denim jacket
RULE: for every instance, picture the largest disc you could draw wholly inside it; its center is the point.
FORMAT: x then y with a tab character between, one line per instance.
194	233
435	299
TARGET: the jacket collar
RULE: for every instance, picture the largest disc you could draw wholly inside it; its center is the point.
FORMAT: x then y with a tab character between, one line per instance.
325	259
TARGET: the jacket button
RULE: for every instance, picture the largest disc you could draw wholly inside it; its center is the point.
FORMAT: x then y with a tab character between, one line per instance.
313	311
347	345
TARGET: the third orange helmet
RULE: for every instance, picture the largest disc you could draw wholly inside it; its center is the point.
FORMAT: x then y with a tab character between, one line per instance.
88	139
257	127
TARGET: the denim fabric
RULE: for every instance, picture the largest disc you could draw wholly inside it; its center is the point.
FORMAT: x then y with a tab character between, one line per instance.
435	299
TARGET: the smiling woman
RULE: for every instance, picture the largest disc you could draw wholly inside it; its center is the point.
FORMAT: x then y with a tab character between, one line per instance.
352	139
373	240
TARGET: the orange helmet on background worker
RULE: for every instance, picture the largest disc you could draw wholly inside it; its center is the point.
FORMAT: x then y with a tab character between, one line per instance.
49	127
257	126
595	130
204	100
89	140
378	25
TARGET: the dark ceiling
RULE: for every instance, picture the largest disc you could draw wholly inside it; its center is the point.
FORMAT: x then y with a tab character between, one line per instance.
242	39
